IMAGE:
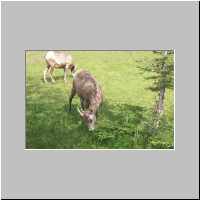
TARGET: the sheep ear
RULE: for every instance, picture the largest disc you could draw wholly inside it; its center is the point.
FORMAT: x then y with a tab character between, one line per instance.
72	67
75	67
80	112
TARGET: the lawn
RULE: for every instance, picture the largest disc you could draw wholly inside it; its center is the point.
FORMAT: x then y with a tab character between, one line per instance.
124	121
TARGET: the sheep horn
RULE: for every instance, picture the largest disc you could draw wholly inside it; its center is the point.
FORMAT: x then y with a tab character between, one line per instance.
80	112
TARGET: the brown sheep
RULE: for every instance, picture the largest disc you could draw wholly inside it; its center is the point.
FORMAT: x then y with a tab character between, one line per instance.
91	96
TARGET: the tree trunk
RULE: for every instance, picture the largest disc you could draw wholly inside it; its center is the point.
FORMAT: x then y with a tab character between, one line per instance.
160	102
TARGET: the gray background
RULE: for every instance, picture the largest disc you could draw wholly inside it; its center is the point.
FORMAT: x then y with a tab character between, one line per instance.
96	26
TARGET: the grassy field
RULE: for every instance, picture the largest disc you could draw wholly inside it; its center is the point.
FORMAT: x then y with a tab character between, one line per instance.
124	120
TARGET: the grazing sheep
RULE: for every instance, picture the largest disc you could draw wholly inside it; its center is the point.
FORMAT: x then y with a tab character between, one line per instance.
91	97
58	60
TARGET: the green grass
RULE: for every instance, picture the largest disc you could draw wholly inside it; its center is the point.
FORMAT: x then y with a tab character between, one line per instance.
124	119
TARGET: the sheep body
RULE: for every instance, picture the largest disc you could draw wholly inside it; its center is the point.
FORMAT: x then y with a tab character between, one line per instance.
58	59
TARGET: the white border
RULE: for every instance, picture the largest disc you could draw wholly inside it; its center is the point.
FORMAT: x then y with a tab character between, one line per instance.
107	149
174	96
0	105
104	0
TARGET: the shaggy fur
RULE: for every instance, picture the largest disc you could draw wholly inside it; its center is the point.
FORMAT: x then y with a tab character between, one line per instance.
90	93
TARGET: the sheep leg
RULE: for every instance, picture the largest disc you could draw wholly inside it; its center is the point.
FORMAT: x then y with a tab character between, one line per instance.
86	104
51	69
45	73
65	74
82	103
73	92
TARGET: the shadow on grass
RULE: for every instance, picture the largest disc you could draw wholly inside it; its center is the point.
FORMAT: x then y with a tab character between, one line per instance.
119	112
50	125
116	125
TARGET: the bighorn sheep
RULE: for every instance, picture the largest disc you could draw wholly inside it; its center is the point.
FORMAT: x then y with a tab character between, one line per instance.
91	97
57	59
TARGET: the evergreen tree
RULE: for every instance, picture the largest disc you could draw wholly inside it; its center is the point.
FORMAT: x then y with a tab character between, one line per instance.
162	65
